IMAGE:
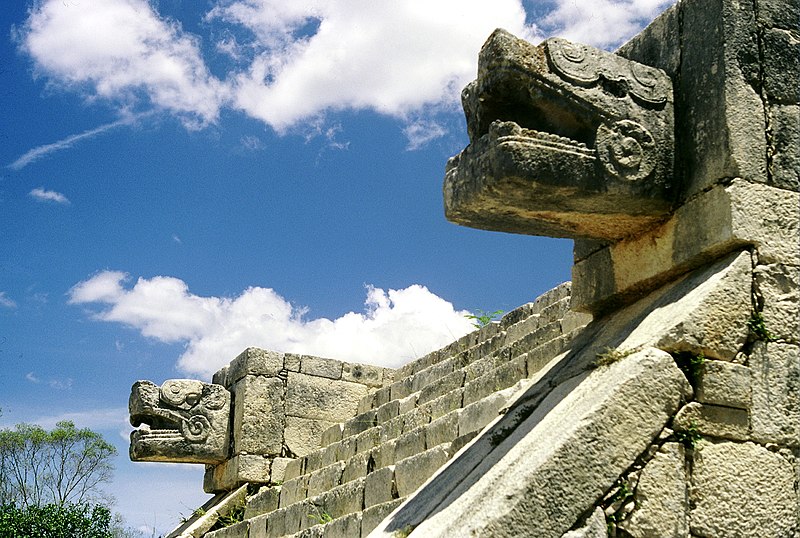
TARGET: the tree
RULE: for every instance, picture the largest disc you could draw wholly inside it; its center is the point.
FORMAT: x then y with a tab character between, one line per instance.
63	466
54	521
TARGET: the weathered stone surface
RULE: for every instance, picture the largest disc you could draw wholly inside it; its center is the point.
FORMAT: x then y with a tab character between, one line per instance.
713	420
238	470
356	467
332	435
410	443
320	367
775	412
326	399
742	489
304	435
373	515
779	13
662	497
595	527
258	417
366	374
293	491
778	286
266	500
781	64
722	113
729	217
783	136
658	44
586	432
379	487
237	530
348	526
704	312
254	361
723	383
188	421
327	478
412	472
220	505
443	429
581	158
345	499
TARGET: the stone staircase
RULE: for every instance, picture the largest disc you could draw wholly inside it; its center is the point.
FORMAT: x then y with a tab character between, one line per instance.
407	429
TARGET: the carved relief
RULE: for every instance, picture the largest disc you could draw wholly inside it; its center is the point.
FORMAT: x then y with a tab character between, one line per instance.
566	140
184	421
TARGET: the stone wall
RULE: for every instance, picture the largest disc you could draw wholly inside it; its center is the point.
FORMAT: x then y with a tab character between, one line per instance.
658	394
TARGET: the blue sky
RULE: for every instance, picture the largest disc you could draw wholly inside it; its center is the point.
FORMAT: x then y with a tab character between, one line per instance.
181	179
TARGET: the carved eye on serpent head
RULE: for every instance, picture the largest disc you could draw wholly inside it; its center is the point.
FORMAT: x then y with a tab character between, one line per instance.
626	149
575	62
648	84
182	392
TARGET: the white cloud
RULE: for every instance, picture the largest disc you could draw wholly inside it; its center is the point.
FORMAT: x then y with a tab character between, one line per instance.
120	49
30	376
291	63
6	301
111	418
43	195
602	23
396	326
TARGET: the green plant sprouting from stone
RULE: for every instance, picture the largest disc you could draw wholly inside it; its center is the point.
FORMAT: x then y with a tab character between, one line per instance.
610	356
617	500
690	436
233	516
321	517
758	327
404	532
483	318
691	364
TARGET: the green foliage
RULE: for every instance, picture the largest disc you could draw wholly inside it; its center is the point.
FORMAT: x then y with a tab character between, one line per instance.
321	518
483	318
63	466
233	516
611	355
56	521
758	328
404	532
690	436
691	364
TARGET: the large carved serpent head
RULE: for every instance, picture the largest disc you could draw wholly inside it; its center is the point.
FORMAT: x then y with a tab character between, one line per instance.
183	420
568	135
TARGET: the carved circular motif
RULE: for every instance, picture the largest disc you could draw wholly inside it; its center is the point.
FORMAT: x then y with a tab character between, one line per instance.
626	149
573	61
215	398
196	429
648	83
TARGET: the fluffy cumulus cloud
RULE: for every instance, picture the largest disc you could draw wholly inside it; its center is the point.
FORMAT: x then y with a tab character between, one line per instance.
395	326
291	63
119	50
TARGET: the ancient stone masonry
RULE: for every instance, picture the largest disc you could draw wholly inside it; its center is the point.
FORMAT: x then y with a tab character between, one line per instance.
656	395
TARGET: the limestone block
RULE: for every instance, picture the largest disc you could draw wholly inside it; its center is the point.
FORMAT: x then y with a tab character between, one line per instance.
443	429
410	443
387	411
779	13
265	501
657	45
442	386
365	374
415	418
382	396
412	472
237	530
481	387
775	412
254	361
408	403
379	486
258	417
292	362
321	458
359	423
477	415
258	526
238	470
356	467
445	404
431	375
346	449
296	516
294	468
742	489
400	389
595	527
383	455
313	397
345	499
324	479
662	497
586	432
713	420
723	383
293	491
783	136
366	403
320	367
718	107
781	65
366	440
304	435
373	515
717	221
348	526
332	435
778	286
220	377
